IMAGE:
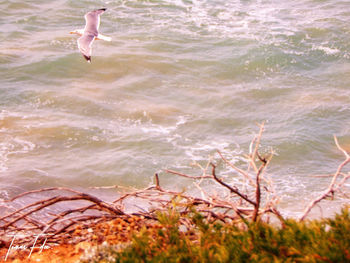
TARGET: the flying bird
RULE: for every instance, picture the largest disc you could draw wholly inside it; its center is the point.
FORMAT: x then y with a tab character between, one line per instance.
90	33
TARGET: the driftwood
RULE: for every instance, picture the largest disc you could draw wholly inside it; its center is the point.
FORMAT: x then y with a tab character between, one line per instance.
250	197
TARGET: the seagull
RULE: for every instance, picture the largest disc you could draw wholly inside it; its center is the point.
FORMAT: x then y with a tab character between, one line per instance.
90	33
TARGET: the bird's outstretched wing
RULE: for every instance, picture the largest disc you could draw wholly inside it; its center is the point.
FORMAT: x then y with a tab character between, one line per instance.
85	44
92	19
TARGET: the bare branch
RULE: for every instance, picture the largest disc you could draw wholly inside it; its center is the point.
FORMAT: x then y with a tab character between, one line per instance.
188	176
43	190
230	188
157	181
340	148
57	199
332	186
245	174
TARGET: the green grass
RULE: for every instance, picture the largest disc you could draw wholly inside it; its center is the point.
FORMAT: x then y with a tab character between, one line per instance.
323	240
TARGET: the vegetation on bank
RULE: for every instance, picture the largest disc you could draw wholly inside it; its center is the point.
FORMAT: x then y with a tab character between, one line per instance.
322	240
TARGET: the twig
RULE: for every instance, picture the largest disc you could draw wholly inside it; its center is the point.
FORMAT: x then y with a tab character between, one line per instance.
332	186
245	174
57	199
258	191
157	181
188	176
43	190
229	187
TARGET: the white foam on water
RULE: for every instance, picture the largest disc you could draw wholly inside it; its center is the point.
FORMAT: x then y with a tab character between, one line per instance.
157	129
10	143
152	128
13	146
327	50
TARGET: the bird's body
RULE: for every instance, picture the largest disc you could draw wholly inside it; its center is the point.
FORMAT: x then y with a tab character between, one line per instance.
90	33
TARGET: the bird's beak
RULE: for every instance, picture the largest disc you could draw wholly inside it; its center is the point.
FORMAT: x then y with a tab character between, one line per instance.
71	32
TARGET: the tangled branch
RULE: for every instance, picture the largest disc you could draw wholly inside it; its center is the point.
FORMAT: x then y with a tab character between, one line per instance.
243	191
